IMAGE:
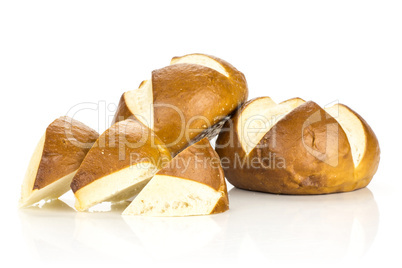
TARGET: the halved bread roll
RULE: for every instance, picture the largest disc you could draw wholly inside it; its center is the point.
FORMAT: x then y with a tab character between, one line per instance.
186	101
296	147
55	160
119	165
193	183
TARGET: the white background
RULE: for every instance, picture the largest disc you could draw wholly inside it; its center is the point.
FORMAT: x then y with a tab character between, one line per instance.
57	54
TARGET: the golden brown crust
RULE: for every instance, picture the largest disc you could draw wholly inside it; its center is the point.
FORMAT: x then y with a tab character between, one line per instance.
122	112
199	163
67	142
293	99
282	162
222	205
190	98
368	165
237	78
122	145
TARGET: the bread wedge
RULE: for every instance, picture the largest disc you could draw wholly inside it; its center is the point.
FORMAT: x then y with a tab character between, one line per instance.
119	165
296	147
187	100
55	160
193	183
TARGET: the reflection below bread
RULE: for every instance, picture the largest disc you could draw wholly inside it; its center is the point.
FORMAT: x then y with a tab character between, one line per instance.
283	227
258	225
48	227
179	238
55	230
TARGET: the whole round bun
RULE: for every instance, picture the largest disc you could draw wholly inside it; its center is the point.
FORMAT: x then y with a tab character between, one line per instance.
296	147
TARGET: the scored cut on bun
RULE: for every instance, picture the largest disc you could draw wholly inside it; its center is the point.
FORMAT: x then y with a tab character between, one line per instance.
119	165
296	147
193	183
55	160
363	142
187	100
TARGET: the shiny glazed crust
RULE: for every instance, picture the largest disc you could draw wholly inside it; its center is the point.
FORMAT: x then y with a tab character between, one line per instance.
67	141
203	166
291	167
189	99
368	165
122	145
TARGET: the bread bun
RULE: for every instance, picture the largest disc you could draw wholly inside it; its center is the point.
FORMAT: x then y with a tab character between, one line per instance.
119	165
193	183
55	160
296	147
187	100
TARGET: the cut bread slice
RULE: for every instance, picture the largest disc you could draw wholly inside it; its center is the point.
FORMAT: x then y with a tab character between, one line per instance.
296	147
204	60
137	103
253	126
55	160
119	165
193	183
353	128
186	101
